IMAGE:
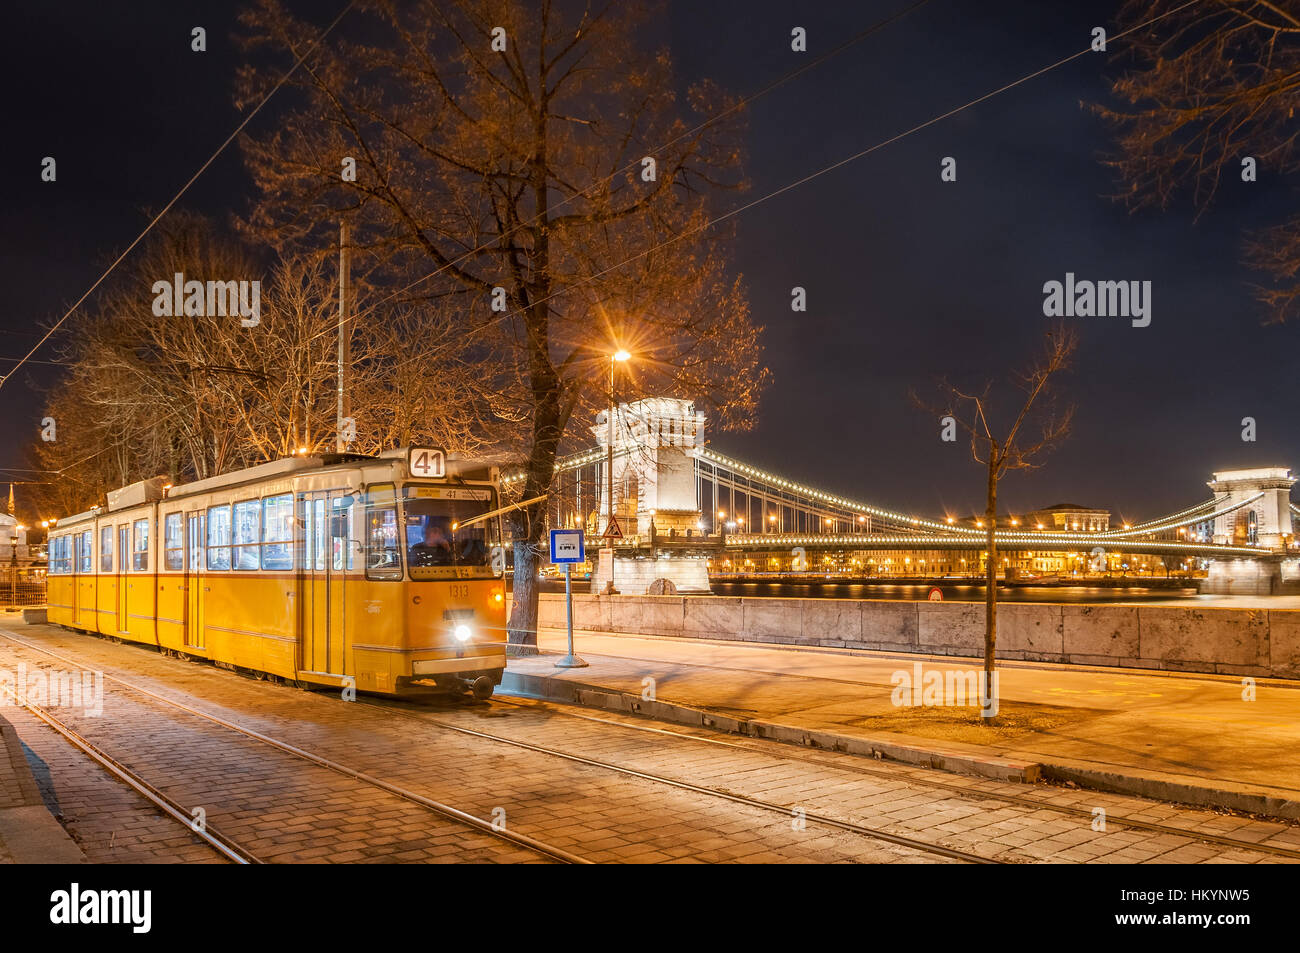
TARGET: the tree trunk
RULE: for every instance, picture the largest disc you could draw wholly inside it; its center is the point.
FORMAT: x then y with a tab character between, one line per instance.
522	628
991	576
548	423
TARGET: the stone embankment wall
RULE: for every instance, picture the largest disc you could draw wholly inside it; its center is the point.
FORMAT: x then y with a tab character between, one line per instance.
1260	642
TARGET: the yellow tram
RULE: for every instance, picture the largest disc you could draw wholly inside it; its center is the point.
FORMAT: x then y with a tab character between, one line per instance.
385	573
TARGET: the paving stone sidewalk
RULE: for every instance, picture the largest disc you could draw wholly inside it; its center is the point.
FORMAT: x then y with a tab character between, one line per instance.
29	834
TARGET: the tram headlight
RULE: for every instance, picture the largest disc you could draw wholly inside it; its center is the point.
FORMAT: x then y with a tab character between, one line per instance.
461	632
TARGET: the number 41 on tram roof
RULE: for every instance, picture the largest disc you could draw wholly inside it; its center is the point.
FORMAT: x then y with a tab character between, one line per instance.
427	462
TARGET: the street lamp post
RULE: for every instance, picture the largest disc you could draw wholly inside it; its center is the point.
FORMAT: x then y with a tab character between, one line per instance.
618	357
13	567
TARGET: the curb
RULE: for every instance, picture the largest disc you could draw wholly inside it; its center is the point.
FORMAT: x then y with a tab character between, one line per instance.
1223	795
29	832
1023	767
904	748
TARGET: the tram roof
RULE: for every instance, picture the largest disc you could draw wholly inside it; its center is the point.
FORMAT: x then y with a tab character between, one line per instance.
457	466
152	490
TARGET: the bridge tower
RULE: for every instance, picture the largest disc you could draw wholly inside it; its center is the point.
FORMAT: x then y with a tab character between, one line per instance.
655	497
1266	522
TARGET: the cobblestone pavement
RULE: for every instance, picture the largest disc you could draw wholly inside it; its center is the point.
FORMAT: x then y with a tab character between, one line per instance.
284	809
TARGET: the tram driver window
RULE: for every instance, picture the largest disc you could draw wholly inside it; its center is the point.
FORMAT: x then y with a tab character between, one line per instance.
446	531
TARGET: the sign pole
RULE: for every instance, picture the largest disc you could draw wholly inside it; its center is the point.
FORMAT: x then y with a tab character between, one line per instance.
570	660
568	547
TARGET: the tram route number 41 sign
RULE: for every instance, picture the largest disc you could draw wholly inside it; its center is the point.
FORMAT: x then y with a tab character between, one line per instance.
567	546
427	462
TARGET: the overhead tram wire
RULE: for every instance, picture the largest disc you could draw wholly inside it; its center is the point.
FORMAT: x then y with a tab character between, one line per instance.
738	105
183	189
823	171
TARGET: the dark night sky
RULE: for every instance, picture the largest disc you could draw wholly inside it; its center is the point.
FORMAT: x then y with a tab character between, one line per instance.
908	278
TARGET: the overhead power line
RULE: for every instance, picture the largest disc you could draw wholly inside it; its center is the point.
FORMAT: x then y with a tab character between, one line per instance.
175	198
831	168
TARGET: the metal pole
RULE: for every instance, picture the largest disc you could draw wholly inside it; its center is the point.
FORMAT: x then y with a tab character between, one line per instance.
570	660
345	334
609	475
609	463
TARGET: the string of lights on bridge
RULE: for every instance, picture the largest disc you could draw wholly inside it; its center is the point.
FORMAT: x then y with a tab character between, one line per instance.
1163	524
1201	512
1017	542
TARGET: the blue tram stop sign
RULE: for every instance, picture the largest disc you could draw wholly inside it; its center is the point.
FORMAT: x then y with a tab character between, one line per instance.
567	546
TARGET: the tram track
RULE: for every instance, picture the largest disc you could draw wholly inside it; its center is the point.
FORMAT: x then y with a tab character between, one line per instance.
874	834
1118	820
226	846
784	810
746	745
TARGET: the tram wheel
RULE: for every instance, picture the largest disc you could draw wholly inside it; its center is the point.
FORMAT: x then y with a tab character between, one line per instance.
483	688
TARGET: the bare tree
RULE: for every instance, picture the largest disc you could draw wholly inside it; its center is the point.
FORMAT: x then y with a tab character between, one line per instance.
1037	428
538	165
192	395
1207	87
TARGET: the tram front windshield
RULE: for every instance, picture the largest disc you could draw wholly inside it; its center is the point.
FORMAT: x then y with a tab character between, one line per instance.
439	544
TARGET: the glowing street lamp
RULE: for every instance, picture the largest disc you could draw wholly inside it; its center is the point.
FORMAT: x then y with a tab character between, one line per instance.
618	357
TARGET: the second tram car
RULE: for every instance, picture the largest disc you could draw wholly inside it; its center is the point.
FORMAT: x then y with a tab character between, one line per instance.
385	573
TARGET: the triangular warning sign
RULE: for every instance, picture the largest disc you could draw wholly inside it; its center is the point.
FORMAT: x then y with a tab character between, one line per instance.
613	530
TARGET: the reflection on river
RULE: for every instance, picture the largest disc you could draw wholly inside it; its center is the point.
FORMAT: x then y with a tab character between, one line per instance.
952	592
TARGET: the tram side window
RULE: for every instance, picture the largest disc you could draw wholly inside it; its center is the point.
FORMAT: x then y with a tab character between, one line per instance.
140	552
106	549
383	557
60	556
277	532
173	542
342	531
245	534
219	537
84	551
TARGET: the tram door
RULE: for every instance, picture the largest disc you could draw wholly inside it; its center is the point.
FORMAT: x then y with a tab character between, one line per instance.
194	528
79	581
321	577
123	558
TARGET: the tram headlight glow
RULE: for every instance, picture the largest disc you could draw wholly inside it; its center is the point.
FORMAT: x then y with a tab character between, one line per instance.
461	632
